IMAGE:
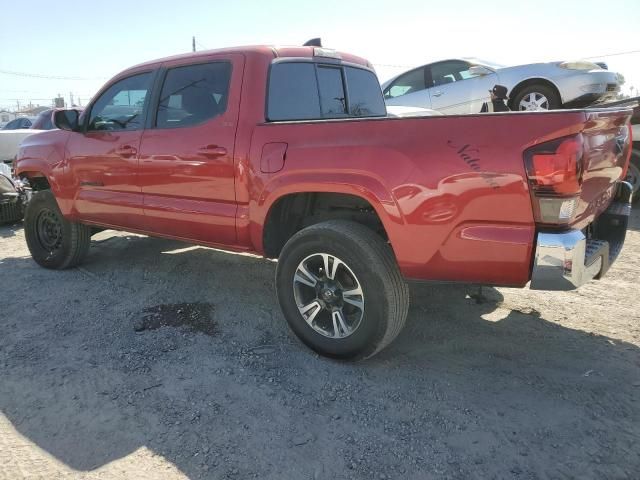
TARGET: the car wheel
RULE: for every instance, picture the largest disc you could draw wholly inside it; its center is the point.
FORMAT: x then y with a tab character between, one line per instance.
53	241
340	290
633	174
536	97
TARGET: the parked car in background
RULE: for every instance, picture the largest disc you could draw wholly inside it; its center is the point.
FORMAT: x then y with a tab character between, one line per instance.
19	123
460	86
400	111
10	138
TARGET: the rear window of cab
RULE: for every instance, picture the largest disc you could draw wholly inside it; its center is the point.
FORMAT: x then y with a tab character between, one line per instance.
316	91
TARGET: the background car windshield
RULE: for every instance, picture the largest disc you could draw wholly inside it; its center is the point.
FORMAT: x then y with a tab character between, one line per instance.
486	63
121	106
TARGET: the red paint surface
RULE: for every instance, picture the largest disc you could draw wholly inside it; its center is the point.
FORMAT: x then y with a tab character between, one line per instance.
445	220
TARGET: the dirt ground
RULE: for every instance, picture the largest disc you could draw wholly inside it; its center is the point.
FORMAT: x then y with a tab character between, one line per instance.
161	360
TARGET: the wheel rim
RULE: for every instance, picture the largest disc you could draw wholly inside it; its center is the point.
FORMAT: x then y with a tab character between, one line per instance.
49	230
534	101
329	296
633	177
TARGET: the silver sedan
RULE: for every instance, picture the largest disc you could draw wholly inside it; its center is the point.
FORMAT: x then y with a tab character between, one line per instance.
462	85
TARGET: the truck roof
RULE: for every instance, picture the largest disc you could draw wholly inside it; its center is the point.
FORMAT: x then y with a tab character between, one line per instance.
273	51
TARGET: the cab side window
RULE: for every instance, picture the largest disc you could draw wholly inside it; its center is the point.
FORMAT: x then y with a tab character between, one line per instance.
122	106
410	82
193	94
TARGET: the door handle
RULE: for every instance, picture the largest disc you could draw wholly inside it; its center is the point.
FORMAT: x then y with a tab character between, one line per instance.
212	151
438	93
126	151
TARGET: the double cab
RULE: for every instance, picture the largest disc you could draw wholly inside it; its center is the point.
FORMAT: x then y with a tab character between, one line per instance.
289	153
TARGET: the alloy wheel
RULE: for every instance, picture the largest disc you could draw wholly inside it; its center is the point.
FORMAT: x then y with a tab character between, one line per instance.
329	296
534	101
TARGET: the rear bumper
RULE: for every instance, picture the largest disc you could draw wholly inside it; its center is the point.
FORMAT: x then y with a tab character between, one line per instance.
567	260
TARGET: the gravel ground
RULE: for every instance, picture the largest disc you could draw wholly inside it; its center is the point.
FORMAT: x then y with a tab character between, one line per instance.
161	360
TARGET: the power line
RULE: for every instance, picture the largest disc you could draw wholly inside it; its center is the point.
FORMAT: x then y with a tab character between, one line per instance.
49	77
612	54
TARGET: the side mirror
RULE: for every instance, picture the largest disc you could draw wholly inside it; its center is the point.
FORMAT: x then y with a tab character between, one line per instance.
66	120
480	71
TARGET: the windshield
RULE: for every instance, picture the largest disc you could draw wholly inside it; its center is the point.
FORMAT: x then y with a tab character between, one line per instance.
488	63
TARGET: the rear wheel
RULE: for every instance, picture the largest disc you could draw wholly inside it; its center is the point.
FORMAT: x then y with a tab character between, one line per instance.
53	241
633	174
536	97
340	290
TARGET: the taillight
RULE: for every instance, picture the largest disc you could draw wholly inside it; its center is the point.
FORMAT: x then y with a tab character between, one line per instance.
554	170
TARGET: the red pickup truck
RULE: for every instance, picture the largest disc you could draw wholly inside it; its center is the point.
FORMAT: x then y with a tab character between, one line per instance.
289	153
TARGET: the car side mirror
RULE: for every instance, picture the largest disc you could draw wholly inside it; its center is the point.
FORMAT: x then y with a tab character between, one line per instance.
66	120
480	71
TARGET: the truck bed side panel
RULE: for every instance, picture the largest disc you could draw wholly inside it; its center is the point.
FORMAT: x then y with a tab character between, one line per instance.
451	191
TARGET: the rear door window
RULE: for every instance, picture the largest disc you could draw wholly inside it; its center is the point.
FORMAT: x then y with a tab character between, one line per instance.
450	72
193	94
310	91
410	82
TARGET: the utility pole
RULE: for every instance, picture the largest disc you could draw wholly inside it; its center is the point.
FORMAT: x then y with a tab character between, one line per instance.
71	99
193	43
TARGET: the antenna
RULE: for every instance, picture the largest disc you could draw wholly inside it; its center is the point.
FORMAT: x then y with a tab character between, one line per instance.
314	42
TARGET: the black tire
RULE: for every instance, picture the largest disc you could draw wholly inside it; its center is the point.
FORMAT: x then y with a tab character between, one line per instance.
633	174
385	296
552	96
53	241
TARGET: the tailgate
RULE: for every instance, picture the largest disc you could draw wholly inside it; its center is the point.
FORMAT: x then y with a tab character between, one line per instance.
607	146
573	179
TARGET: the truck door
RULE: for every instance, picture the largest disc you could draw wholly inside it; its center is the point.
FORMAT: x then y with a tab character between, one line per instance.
187	169
103	159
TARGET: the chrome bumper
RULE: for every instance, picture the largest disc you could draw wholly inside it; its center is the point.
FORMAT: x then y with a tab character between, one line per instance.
567	260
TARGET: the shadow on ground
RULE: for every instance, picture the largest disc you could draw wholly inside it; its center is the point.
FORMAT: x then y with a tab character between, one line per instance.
9	229
468	390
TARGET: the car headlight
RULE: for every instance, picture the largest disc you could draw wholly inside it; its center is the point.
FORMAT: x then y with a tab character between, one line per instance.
580	65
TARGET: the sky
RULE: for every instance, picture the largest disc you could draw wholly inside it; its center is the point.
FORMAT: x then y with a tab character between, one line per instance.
89	42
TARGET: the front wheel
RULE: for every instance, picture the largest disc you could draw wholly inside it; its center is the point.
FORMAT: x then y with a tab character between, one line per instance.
535	98
340	290
53	241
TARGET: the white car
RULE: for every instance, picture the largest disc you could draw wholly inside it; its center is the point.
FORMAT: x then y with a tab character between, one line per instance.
461	86
403	112
10	139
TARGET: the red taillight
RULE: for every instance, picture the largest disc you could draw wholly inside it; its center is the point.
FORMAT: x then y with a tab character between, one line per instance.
554	170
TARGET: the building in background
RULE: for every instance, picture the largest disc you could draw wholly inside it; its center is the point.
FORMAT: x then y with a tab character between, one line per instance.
5	117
